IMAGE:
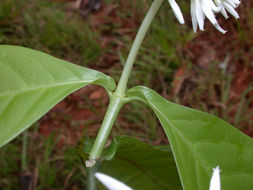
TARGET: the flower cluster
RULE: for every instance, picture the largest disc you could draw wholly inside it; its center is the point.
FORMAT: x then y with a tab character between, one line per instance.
206	8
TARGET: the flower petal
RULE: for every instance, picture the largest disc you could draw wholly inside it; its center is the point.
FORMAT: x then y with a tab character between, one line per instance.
215	180
177	11
215	8
194	18
231	10
199	14
224	13
111	183
236	2
217	26
206	7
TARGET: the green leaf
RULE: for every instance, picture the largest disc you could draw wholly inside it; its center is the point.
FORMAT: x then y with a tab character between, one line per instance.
135	163
200	142
140	165
31	83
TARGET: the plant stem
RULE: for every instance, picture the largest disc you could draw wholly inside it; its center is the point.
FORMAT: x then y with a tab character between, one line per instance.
91	181
110	116
117	98
121	88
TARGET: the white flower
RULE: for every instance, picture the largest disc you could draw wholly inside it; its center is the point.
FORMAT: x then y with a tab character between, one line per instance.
111	183
215	180
206	8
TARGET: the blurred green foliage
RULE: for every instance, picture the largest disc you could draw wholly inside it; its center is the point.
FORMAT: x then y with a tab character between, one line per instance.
45	26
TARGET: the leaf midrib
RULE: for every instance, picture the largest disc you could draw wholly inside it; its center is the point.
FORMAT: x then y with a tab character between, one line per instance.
44	86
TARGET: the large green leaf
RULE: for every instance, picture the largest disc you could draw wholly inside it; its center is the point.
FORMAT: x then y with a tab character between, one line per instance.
200	142
138	164
32	82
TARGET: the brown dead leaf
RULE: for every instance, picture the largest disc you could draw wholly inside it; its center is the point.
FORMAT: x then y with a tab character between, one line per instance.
179	77
98	94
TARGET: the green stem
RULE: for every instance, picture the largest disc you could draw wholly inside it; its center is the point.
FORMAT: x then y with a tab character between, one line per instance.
121	88
91	181
118	98
110	116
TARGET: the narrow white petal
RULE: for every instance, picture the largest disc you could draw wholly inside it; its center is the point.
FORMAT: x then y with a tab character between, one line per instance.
206	7
177	11
111	183
224	13
193	15
215	180
199	14
217	26
215	8
231	10
236	2
232	3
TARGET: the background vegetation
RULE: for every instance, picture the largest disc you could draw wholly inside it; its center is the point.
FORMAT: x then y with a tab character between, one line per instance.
207	71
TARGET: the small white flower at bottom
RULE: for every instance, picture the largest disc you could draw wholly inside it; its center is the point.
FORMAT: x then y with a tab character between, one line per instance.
215	180
111	183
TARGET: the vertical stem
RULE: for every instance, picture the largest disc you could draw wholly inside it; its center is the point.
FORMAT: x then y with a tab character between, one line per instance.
117	98
91	180
110	116
121	88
